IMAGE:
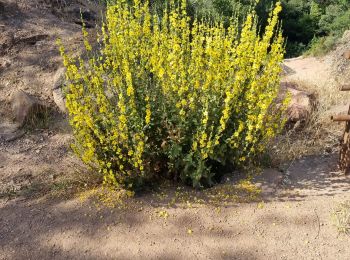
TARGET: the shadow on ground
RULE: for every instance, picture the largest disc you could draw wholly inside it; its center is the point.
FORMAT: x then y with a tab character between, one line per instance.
223	222
59	229
312	176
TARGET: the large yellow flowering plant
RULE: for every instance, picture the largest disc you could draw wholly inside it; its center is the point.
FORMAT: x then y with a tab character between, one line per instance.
166	96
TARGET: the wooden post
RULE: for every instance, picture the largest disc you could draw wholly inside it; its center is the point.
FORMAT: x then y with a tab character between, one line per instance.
344	158
345	88
341	118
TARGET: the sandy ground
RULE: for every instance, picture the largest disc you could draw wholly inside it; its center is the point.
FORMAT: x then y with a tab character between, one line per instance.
311	70
43	215
293	221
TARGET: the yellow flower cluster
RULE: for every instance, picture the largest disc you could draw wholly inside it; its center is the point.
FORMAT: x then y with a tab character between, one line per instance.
167	93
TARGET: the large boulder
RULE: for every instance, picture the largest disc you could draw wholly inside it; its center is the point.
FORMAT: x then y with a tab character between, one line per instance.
26	107
301	105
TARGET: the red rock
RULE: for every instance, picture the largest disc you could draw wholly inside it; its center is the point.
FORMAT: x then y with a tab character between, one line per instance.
301	104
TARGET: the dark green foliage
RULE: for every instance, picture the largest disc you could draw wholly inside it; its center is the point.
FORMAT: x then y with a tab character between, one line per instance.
314	24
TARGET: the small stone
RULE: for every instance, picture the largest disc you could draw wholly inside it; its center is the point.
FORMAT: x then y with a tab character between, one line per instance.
53	177
286	181
346	55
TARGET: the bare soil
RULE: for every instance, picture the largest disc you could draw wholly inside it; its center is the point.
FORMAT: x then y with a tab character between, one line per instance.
310	69
49	207
291	219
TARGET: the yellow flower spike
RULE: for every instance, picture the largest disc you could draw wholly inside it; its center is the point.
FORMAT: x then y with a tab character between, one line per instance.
165	91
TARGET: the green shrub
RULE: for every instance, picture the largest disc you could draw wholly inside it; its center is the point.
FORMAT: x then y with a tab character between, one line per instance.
322	45
163	97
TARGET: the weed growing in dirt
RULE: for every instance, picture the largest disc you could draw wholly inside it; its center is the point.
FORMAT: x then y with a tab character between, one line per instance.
41	118
166	97
341	217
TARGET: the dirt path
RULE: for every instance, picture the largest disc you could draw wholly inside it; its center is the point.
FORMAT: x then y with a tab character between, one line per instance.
309	70
292	222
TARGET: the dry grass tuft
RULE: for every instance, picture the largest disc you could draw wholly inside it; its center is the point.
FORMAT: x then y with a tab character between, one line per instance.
319	135
341	218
